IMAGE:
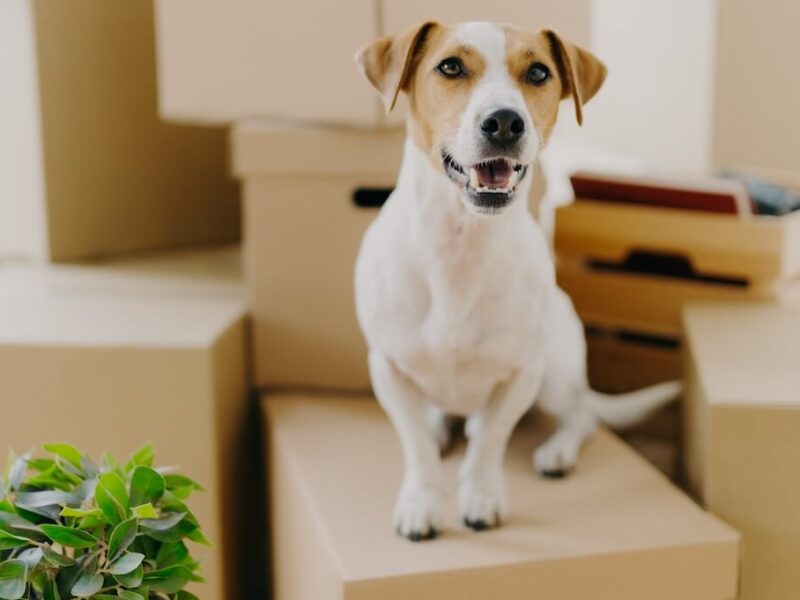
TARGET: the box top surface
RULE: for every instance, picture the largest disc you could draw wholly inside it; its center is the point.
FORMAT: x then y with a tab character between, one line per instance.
345	457
264	147
171	300
746	353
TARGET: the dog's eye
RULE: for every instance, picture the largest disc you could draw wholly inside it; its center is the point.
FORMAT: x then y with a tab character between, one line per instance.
451	68
537	74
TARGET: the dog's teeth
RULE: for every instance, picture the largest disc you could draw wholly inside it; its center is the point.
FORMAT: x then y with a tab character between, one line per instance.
474	181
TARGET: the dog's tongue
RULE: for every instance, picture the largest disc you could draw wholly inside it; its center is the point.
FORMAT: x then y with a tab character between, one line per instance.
496	173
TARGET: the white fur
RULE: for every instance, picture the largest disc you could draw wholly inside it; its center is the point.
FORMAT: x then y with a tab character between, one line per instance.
462	316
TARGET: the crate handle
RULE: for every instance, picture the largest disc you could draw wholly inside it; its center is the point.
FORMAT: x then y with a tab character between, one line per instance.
366	197
673	266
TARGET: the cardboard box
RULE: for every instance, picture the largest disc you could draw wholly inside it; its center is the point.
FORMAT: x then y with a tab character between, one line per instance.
622	363
220	62
309	195
615	529
111	358
741	443
87	168
634	267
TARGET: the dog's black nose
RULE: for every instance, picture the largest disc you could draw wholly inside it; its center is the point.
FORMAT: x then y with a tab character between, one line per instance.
503	127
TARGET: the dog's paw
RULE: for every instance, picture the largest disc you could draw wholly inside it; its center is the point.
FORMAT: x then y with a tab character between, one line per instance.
557	457
418	513
482	505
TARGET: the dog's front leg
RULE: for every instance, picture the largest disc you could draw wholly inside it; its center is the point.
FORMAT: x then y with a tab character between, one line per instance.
418	513
481	485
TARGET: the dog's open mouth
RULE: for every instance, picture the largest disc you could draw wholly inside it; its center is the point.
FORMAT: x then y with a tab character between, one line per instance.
490	184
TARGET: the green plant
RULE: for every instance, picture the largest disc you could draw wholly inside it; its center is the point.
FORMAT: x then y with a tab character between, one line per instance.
71	529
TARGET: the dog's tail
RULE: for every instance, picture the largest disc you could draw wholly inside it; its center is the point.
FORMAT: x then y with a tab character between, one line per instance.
620	411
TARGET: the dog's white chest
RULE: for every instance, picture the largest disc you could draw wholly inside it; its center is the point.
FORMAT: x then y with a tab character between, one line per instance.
458	317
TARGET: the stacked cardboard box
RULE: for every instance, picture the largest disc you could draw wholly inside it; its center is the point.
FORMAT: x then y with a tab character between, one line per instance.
630	269
742	443
114	355
87	169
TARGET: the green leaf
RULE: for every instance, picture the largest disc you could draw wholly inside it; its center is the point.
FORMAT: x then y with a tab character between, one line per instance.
66	451
72	538
112	498
51	591
129	595
168	580
172	554
126	563
145	511
199	537
141	458
181	481
168	521
31	557
17	471
184	595
55	558
8	541
68	511
147	485
19	526
121	537
132	579
31	500
87	585
12	579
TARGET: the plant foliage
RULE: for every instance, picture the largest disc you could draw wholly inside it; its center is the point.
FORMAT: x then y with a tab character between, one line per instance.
72	529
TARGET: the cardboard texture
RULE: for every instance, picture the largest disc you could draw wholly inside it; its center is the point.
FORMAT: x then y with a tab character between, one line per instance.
105	175
614	529
243	69
714	257
741	443
618	364
113	358
301	238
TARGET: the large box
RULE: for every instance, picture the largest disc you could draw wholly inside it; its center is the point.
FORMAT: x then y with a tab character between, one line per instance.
309	195
615	529
112	357
221	62
634	267
742	447
87	168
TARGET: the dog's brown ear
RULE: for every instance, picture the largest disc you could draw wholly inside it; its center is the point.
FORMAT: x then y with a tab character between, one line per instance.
389	62
581	72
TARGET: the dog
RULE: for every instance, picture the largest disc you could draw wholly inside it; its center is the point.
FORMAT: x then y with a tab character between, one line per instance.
455	284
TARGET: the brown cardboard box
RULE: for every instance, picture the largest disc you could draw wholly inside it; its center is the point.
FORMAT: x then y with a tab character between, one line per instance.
741	442
615	529
622	363
685	255
89	169
113	357
302	232
221	62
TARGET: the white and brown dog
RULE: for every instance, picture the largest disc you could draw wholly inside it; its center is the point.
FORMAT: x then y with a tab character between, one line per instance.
455	285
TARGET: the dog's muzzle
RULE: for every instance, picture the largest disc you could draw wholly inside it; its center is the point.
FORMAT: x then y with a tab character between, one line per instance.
489	185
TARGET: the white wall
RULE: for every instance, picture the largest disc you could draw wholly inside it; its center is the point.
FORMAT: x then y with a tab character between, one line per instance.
22	213
657	104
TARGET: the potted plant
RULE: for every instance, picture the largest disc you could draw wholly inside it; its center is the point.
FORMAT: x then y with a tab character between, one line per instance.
72	529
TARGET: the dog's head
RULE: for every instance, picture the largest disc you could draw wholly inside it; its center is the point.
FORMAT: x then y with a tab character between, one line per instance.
483	98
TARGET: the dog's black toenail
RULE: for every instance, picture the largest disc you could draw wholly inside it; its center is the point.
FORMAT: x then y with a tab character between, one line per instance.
476	525
554	473
421	536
